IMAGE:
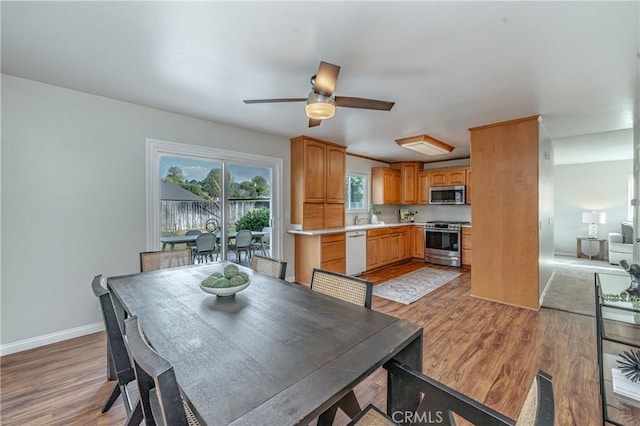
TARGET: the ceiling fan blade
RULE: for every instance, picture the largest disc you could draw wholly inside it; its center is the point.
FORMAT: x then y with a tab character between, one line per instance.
326	78
314	123
348	102
267	101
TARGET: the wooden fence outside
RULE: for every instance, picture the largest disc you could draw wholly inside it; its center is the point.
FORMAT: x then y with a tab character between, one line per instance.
185	215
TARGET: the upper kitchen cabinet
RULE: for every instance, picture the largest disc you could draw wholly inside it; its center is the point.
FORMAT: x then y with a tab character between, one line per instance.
318	170
385	185
423	186
468	191
408	181
450	177
512	212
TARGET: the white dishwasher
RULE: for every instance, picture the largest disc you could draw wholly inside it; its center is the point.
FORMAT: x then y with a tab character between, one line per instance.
356	252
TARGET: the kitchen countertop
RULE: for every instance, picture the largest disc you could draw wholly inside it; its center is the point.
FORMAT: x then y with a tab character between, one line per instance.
363	227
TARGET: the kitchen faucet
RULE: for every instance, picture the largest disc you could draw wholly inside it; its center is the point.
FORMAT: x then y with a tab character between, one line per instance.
357	220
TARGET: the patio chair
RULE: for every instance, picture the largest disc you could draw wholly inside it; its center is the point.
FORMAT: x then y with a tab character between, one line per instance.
163	259
269	266
206	247
266	240
242	244
349	289
192	245
442	401
162	402
117	355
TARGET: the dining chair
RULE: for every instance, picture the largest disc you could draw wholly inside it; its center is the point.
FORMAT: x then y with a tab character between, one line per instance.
242	244
206	245
117	354
269	266
162	402
349	289
344	287
440	402
163	259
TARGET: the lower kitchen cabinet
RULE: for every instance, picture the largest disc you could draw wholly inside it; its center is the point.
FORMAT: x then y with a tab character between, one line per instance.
387	245
466	246
326	252
417	242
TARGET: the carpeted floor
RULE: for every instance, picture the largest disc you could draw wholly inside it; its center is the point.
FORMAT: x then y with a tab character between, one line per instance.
572	285
412	286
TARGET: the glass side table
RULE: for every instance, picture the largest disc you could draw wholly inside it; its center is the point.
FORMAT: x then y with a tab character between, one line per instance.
617	330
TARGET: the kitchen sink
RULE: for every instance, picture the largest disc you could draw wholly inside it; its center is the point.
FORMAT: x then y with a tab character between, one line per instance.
362	226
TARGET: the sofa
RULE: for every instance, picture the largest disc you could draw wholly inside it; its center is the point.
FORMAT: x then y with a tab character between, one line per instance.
621	244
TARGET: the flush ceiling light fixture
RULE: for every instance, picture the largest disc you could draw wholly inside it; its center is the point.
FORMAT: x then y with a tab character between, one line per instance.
425	144
320	107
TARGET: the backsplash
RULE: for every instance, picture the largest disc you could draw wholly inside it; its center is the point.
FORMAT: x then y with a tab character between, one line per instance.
390	213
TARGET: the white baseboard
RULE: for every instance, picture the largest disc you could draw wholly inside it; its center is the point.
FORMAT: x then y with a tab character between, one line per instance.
546	287
46	339
572	254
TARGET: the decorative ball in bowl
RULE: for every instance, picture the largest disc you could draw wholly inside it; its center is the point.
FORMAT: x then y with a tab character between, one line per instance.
226	283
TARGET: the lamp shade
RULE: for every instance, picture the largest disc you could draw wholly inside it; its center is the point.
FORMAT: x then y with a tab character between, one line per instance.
320	107
594	217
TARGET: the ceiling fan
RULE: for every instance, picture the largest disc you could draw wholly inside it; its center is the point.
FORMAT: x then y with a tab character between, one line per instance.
321	103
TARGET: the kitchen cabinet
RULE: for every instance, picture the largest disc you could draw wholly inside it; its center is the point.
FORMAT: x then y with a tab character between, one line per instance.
466	246
385	185
417	242
318	170
327	251
468	191
387	245
377	250
448	177
423	186
512	174
408	181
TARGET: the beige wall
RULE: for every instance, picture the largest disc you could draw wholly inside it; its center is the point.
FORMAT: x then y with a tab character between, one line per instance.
73	198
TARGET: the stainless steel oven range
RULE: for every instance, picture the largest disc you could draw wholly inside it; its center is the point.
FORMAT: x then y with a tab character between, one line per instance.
442	242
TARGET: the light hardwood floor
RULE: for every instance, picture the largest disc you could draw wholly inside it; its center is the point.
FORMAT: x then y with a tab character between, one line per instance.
486	350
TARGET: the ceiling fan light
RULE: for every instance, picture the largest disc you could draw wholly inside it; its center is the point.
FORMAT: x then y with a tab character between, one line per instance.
320	107
425	144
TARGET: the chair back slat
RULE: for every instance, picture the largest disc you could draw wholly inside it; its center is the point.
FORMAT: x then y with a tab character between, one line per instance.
163	259
119	354
539	407
537	410
269	266
344	287
159	392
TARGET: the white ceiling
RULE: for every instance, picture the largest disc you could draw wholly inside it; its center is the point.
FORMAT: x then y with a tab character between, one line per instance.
448	66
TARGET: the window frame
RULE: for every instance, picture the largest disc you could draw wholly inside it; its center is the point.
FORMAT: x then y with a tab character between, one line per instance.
157	148
366	196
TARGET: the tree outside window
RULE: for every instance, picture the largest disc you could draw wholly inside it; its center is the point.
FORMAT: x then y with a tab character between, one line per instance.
357	190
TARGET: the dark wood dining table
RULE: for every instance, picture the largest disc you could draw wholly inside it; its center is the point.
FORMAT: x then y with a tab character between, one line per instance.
275	353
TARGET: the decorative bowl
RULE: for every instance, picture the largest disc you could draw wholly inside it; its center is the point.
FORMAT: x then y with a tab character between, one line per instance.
224	291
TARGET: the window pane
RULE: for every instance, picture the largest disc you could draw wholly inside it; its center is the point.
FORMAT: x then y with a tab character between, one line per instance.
356	192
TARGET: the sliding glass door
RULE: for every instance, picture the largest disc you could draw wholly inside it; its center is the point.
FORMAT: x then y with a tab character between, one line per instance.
195	190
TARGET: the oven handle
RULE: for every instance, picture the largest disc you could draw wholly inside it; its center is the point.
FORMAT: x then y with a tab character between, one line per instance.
450	231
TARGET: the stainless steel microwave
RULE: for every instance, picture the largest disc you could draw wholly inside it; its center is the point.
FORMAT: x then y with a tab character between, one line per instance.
447	194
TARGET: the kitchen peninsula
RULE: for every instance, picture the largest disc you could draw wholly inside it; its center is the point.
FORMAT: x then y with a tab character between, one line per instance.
327	248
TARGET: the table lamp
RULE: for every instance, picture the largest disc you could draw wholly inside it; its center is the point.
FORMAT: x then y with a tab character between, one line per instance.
593	218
